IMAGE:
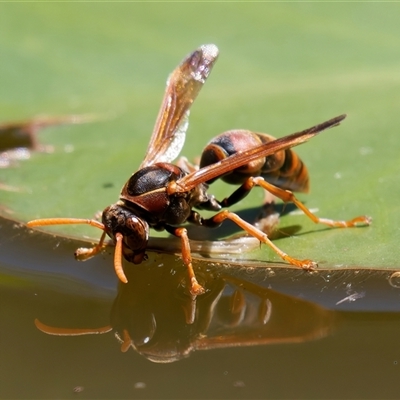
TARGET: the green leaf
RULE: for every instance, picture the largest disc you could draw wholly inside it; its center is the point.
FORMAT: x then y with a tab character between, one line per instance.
282	68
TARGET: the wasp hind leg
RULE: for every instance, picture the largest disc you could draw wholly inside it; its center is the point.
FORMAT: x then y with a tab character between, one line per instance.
217	220
288	196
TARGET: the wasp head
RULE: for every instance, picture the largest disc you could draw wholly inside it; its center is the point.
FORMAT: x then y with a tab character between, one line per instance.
118	218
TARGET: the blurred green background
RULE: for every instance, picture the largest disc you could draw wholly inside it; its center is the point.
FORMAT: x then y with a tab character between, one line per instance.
283	67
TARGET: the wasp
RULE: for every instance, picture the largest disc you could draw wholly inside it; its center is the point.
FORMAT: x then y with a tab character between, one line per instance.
162	195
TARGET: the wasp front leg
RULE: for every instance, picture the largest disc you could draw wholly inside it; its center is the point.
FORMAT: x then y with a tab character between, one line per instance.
84	253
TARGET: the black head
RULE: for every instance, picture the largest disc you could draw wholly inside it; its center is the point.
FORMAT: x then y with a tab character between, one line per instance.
118	218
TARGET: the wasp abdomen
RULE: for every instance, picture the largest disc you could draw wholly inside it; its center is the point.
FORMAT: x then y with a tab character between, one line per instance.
283	168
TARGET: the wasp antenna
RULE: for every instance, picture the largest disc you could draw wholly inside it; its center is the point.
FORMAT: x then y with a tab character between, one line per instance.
51	330
118	258
64	221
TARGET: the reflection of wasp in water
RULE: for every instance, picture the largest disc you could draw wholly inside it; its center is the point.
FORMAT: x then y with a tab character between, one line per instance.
154	315
162	195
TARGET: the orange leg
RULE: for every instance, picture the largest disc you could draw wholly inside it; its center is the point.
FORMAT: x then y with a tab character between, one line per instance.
126	341
84	253
261	236
195	287
288	196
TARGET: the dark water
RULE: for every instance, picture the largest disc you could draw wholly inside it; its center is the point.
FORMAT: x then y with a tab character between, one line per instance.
256	333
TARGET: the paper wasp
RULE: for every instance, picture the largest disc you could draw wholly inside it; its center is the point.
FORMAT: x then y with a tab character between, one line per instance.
161	195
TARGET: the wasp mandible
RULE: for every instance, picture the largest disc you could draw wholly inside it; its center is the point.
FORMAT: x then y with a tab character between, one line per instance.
163	196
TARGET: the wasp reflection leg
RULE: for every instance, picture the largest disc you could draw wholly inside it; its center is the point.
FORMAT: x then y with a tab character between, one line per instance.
125	340
195	288
288	196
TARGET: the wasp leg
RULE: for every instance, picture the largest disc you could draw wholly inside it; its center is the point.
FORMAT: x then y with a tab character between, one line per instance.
265	307
288	196
195	288
237	307
217	220
125	341
84	253
189	308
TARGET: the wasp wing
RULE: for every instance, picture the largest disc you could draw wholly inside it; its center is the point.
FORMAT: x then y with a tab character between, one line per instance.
237	160
183	86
